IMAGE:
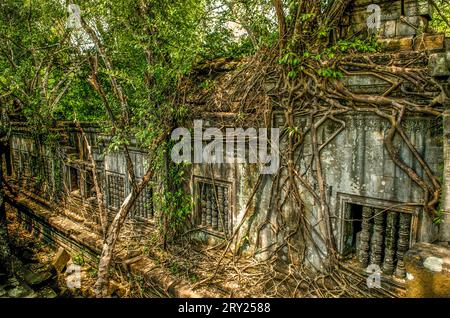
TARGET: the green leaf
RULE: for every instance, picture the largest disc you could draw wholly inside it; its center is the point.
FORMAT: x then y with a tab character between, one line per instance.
292	74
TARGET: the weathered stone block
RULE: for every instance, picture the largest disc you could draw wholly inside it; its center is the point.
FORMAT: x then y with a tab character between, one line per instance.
408	26
428	268
418	8
406	43
412	25
36	279
397	44
429	42
60	260
389	29
438	65
404	29
390	10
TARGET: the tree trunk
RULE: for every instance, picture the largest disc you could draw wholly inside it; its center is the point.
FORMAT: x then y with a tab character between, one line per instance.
98	190
282	29
101	285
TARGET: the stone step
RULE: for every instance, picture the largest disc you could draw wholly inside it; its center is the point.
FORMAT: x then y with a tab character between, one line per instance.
20	291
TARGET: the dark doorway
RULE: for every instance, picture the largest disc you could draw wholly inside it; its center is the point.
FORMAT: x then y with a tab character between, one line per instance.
74	182
353	225
8	164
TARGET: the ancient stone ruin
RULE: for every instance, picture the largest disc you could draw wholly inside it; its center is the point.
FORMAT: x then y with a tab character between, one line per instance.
376	215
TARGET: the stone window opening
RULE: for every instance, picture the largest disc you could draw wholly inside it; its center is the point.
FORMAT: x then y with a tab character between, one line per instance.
213	207
116	190
21	165
74	145
7	160
143	206
74	180
376	236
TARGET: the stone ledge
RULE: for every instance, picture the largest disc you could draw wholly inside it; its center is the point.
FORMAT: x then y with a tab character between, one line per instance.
428	268
143	267
424	42
430	42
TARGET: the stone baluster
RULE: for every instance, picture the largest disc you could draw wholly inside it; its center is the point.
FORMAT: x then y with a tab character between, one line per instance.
376	246
208	206
215	208
363	248
389	243
220	208
204	200
403	243
225	210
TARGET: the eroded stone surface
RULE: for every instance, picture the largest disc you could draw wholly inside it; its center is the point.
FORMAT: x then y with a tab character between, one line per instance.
438	65
429	267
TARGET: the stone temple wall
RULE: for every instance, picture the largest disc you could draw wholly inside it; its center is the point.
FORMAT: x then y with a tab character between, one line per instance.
358	169
360	174
401	18
62	176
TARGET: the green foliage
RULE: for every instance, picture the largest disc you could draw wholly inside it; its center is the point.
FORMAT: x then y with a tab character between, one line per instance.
175	202
40	68
151	46
150	49
78	259
330	73
237	28
438	23
359	45
439	218
296	63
